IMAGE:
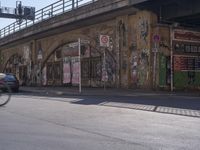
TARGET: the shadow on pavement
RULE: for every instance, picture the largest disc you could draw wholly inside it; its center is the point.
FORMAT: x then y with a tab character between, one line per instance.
162	103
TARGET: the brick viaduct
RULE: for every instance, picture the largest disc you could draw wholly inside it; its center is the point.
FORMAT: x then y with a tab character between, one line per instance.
44	54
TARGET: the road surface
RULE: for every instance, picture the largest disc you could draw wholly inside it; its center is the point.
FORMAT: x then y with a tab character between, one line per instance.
66	123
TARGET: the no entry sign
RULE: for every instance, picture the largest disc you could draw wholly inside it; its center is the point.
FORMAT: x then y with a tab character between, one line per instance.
156	38
104	40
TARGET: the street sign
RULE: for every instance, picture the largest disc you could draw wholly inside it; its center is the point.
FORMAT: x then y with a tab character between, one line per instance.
104	40
85	41
156	38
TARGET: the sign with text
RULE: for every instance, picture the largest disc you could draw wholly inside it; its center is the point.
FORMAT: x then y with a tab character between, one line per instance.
186	35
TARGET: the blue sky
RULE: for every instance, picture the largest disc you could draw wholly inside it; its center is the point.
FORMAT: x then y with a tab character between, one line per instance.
38	4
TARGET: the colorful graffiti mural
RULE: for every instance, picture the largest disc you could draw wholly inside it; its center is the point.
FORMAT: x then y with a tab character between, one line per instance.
143	26
134	69
143	64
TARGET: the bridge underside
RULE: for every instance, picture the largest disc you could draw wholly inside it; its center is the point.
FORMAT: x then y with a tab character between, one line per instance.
185	12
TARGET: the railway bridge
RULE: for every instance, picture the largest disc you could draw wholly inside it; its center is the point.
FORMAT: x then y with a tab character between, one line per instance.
123	43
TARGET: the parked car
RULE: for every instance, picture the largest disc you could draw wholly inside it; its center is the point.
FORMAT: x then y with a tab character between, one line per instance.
11	80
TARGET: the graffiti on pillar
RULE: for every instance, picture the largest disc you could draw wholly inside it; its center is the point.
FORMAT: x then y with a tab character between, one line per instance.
143	26
143	49
35	75
134	69
27	63
98	52
39	51
26	53
110	66
44	76
143	66
67	77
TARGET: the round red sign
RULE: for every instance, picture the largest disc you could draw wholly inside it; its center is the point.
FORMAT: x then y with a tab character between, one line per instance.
104	39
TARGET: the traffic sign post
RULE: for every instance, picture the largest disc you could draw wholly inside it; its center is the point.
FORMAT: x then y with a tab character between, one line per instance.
80	41
104	42
156	38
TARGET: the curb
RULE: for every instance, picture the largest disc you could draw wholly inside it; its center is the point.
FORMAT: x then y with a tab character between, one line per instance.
109	92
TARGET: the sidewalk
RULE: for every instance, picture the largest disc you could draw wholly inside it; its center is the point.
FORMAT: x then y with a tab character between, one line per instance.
178	103
74	91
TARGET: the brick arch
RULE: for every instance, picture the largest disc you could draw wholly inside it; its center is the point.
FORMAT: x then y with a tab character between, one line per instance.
15	55
51	52
58	44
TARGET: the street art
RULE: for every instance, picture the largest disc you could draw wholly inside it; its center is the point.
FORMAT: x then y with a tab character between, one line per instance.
26	53
66	70
142	64
39	51
75	70
97	51
44	76
27	61
110	66
143	26
134	69
98	70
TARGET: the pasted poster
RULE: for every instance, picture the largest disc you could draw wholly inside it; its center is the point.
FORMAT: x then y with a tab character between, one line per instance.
75	70
66	71
44	76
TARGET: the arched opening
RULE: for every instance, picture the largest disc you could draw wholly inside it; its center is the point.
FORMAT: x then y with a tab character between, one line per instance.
16	65
61	66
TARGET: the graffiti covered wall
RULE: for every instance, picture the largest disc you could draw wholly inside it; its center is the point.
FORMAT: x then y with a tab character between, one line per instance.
140	49
91	55
127	59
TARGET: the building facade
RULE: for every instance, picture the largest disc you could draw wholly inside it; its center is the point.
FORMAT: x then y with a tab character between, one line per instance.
140	54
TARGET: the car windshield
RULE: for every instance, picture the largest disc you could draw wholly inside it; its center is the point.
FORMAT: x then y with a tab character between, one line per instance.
9	78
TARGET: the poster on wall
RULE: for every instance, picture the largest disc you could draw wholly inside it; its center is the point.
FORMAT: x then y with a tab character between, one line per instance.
66	71
75	70
44	76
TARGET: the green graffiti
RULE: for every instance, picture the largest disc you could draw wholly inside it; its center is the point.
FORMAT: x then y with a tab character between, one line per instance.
162	70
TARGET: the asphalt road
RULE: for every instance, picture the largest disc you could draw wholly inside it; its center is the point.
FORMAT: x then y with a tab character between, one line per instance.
96	123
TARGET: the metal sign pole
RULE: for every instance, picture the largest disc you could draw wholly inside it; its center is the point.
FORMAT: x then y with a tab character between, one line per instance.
79	54
154	65
104	65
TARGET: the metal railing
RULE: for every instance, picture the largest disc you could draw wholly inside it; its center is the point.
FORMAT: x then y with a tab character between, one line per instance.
45	13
